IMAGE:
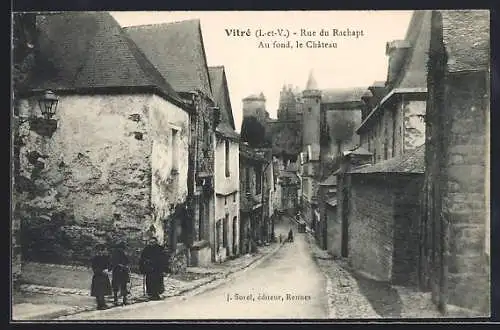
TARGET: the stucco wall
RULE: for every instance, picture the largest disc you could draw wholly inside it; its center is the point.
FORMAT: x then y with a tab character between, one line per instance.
227	197
169	161
226	185
400	127
96	181
414	124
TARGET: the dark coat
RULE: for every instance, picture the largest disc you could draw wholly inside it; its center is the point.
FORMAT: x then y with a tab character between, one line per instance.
153	263
120	266
100	281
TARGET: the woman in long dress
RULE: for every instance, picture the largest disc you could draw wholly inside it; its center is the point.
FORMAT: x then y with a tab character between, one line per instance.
100	286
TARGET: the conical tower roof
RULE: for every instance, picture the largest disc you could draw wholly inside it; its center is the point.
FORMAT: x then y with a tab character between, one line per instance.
311	82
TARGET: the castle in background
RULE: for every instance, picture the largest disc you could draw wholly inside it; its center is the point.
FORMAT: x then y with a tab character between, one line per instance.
313	128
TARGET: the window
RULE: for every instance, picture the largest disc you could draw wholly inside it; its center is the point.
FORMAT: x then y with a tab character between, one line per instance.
309	109
258	180
225	200
227	158
234	197
174	147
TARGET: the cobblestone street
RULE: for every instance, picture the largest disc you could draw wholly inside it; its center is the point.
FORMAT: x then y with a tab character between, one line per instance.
286	285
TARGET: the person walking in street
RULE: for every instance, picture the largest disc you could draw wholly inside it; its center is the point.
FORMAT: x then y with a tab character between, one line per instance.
121	273
153	264
290	235
100	286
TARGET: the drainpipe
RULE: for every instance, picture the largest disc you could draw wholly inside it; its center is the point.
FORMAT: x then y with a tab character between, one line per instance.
262	188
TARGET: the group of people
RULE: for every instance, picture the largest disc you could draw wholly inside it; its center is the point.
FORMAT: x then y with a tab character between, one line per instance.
153	264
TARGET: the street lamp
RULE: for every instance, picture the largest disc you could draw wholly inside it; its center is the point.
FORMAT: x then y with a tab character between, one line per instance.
48	104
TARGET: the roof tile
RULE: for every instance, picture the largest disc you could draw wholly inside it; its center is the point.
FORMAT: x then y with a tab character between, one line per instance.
177	51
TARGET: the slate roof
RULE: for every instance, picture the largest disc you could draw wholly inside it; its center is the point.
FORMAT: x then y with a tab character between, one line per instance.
330	181
466	36
342	95
177	51
89	50
359	151
225	130
251	153
412	76
411	162
221	95
255	97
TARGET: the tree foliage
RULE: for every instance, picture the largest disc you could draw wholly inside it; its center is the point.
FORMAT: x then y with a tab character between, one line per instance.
253	132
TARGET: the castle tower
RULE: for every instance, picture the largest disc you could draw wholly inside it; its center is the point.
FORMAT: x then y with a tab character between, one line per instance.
311	118
255	106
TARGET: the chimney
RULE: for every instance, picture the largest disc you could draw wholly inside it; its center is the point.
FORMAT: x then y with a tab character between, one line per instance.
396	50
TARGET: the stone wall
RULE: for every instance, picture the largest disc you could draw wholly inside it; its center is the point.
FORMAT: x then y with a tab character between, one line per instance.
407	196
371	227
454	265
464	194
91	181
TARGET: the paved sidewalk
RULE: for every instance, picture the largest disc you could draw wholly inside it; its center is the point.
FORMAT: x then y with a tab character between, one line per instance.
59	290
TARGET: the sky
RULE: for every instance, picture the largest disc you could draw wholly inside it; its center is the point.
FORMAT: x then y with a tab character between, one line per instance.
357	60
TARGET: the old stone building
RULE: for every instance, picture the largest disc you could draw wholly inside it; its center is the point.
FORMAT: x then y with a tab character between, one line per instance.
382	217
339	226
23	47
253	202
455	255
112	163
177	51
326	229
328	128
394	120
227	180
392	128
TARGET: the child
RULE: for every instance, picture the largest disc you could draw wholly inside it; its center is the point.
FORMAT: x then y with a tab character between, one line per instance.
121	273
101	286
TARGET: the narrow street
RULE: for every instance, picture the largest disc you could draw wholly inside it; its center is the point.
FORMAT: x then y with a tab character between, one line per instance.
287	285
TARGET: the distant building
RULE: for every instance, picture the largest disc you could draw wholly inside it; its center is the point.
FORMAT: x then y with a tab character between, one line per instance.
255	180
328	128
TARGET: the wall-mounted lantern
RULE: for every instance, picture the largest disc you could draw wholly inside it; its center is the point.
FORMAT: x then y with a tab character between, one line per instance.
48	104
46	126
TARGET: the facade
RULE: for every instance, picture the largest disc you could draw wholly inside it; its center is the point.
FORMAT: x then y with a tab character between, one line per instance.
392	131
455	255
255	183
23	36
394	123
227	181
326	230
116	171
383	218
177	51
350	160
